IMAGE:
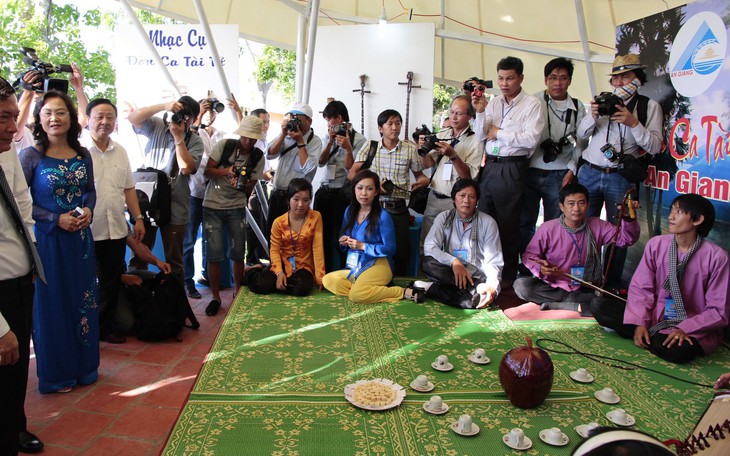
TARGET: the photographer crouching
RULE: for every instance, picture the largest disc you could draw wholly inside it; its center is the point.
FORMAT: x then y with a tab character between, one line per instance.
233	168
623	126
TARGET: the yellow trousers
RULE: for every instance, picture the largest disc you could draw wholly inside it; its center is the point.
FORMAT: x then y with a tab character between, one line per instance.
369	287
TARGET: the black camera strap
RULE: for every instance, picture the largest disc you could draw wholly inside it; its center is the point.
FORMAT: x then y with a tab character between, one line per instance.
336	147
283	152
566	121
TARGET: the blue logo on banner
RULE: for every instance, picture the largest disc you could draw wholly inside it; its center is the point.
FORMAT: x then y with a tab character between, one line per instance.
700	53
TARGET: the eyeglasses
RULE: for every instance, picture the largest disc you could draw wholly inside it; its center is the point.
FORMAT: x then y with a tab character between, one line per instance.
58	114
553	78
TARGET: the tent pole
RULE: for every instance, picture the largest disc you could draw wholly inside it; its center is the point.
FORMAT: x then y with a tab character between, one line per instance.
301	27
214	51
311	44
150	46
584	43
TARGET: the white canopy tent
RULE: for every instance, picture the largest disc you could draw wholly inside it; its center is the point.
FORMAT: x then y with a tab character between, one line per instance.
471	35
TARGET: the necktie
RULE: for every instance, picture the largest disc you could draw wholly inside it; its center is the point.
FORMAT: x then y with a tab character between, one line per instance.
12	206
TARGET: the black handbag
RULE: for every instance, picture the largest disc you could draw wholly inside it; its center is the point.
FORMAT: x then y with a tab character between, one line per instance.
634	169
419	199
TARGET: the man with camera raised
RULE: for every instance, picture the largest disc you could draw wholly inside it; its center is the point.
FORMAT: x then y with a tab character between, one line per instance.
554	162
233	168
298	149
623	126
453	153
512	124
171	148
333	195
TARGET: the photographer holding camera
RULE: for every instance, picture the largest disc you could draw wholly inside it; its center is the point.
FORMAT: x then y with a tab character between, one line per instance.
333	195
171	148
622	124
298	150
554	162
512	124
455	154
233	168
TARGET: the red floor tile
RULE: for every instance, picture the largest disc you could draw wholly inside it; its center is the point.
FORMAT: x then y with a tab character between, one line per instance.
109	399
138	374
75	428
171	392
145	422
120	446
164	353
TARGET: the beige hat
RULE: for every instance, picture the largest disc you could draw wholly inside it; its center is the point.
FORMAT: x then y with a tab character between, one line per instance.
251	127
301	108
626	63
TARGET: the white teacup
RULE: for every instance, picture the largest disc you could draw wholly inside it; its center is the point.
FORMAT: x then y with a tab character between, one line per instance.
591	426
619	416
465	424
479	354
421	381
442	360
436	403
581	374
607	394
554	436
517	437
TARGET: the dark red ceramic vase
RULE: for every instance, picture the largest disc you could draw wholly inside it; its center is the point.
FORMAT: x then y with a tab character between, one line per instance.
526	375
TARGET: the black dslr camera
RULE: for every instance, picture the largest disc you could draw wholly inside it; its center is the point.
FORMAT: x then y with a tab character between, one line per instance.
180	116
388	186
429	139
294	123
216	105
551	149
610	152
244	170
45	70
477	86
607	102
340	130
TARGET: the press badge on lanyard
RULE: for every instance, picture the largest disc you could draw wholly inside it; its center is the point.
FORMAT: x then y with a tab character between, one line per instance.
293	263
670	309
446	170
462	255
577	271
353	264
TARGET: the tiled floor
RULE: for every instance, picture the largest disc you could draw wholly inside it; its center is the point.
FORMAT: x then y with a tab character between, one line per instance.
131	409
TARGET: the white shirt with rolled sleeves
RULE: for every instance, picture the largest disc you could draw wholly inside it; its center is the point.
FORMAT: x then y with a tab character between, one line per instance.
557	110
289	165
647	137
15	259
521	123
112	175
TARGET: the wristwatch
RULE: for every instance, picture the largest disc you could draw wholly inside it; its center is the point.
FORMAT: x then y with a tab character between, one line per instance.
136	218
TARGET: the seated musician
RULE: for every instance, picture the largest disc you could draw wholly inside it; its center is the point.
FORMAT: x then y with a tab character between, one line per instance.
570	246
678	298
463	254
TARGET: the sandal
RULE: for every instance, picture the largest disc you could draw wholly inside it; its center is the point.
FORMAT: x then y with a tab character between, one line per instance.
416	295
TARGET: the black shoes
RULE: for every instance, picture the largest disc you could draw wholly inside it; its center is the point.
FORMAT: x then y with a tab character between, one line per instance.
29	443
192	291
213	307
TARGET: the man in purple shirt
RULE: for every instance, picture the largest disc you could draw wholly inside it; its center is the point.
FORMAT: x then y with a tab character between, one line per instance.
571	245
677	304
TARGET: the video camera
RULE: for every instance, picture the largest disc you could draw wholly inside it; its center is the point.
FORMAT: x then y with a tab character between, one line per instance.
44	70
477	86
607	102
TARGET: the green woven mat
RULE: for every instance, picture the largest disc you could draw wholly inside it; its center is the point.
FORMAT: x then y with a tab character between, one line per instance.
274	379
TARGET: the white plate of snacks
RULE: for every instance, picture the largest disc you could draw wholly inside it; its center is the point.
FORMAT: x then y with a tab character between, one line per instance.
376	394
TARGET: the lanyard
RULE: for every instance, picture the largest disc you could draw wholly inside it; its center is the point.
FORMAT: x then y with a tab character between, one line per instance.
291	235
573	238
505	114
468	228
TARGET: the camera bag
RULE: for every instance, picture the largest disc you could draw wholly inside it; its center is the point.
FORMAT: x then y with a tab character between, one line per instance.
160	308
154	194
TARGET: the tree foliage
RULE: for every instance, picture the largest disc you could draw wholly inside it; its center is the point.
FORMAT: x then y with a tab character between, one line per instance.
442	96
276	67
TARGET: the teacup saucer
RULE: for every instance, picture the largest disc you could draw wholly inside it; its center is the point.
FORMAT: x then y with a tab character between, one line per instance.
445	368
614	400
588	379
474	429
474	360
444	408
563	438
526	443
426	389
630	420
584	429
